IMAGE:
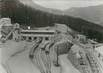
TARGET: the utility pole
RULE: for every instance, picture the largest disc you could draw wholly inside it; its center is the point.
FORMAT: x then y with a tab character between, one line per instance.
57	57
57	64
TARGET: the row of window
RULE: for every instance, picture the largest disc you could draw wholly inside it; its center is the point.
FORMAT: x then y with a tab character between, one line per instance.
34	38
49	33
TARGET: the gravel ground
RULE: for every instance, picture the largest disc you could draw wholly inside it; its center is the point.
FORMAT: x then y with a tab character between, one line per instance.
22	64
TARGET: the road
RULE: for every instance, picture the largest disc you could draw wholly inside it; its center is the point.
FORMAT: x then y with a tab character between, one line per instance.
22	64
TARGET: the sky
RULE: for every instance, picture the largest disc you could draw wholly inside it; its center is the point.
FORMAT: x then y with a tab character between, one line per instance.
66	4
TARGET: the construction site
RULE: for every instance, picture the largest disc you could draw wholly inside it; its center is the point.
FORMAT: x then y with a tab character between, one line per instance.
57	49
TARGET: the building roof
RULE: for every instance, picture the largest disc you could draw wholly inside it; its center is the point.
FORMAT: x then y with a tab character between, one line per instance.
5	22
38	30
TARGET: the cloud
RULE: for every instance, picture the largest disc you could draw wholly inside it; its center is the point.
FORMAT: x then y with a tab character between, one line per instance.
66	4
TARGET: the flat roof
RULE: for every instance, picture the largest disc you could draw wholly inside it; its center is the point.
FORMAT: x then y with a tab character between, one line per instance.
38	31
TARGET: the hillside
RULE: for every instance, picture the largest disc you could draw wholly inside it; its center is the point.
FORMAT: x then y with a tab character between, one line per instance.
91	13
27	15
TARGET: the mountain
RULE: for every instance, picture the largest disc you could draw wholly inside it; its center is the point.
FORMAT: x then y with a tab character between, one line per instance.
91	13
37	16
36	6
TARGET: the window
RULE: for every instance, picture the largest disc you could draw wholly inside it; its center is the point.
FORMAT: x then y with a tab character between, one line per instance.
24	38
35	38
46	38
29	38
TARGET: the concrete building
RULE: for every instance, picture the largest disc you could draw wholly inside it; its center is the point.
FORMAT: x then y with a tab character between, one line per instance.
31	34
5	26
34	34
16	32
63	28
81	38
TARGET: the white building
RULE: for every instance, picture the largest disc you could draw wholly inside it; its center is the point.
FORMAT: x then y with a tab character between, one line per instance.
5	26
63	28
